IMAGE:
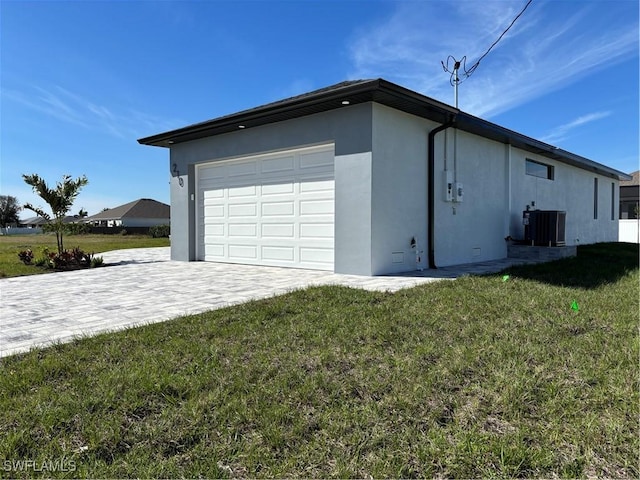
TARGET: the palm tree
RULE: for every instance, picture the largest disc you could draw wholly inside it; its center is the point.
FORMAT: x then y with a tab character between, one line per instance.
59	199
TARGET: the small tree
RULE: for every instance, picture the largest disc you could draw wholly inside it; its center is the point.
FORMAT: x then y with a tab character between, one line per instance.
83	213
9	208
59	199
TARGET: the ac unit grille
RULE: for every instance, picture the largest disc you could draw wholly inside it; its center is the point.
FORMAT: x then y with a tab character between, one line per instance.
545	227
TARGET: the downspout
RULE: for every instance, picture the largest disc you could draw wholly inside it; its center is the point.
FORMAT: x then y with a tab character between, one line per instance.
431	188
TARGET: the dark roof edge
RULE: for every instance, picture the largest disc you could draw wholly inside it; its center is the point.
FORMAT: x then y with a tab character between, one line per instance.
493	131
375	90
266	110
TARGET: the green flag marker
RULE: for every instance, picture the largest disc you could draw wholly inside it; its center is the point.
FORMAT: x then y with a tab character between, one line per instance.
505	278
574	306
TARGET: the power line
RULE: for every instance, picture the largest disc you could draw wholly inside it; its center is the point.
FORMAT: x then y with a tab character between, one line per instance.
455	79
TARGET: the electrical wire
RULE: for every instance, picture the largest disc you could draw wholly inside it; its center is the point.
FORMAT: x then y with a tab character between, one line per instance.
462	62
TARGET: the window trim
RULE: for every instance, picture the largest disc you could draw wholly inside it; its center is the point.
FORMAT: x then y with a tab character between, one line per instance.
595	198
613	201
550	169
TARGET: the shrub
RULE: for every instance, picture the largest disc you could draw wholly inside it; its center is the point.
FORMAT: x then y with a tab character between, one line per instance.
26	256
77	228
41	262
65	260
68	228
123	232
158	231
48	228
97	262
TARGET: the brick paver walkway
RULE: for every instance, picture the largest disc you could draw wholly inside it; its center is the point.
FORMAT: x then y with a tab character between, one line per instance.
143	286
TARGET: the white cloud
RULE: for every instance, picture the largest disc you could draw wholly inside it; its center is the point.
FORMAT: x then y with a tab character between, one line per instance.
64	105
561	132
550	46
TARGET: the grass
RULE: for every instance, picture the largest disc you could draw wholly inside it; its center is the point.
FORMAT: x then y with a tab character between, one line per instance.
478	377
10	245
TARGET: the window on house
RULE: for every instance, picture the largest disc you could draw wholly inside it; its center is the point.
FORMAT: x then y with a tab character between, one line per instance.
595	198
613	201
540	170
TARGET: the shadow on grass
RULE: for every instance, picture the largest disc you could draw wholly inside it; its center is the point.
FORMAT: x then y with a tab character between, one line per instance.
595	265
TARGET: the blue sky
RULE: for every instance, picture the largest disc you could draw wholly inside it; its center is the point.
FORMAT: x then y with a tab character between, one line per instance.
80	82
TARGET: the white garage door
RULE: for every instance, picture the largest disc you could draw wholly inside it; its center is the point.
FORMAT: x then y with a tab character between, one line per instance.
275	209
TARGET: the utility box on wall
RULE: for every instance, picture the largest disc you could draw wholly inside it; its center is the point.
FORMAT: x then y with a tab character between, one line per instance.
453	191
448	186
544	227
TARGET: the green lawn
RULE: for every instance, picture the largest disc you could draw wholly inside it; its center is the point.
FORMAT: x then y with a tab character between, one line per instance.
10	245
477	377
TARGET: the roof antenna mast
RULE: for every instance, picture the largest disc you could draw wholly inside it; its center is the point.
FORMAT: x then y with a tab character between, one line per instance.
455	80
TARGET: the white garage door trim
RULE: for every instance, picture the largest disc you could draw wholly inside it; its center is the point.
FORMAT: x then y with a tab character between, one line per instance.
273	209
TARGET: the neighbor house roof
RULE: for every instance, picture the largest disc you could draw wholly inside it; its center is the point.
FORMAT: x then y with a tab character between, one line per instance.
34	221
44	221
635	180
385	93
142	208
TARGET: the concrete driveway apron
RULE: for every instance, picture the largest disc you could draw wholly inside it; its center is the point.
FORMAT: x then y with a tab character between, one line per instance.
144	286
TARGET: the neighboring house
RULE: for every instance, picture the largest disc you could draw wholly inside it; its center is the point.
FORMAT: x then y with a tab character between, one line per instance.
350	177
144	212
34	222
630	197
629	206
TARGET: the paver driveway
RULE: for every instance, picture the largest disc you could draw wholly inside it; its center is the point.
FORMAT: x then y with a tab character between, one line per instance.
145	286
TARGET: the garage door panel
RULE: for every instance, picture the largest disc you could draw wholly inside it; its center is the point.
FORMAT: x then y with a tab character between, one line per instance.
242	169
243	230
213	194
243	252
243	210
277	253
246	191
316	255
269	189
281	230
280	209
278	165
213	172
317	185
316	207
213	211
316	230
214	230
316	159
269	210
214	250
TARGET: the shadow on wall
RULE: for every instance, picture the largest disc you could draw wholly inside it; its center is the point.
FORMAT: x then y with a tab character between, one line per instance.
595	265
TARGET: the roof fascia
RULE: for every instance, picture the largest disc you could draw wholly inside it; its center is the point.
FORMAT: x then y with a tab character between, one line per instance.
383	92
291	108
486	129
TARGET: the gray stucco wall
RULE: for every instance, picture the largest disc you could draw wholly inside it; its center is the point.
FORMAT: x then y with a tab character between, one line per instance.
472	230
497	190
399	190
348	129
381	189
353	217
571	190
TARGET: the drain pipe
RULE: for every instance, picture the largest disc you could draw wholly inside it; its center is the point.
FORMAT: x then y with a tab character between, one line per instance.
431	160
